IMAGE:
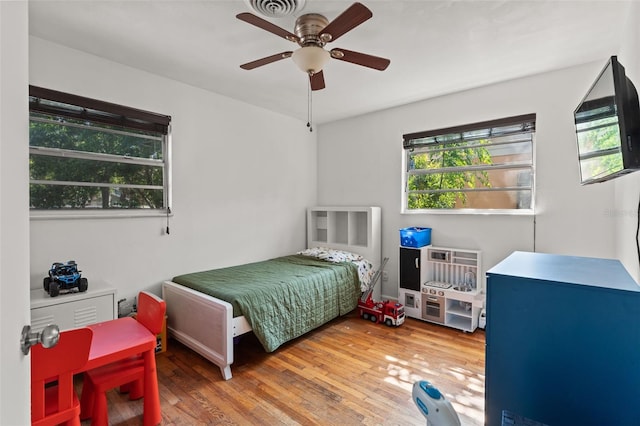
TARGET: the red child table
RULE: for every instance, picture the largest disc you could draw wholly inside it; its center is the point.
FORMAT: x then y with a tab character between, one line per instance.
122	338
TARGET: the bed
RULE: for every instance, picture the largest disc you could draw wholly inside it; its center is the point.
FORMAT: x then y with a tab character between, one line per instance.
278	299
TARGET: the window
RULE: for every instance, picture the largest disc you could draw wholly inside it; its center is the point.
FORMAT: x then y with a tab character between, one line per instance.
93	155
487	166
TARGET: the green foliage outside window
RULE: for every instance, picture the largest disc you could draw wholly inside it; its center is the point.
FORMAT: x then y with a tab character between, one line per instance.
94	170
446	181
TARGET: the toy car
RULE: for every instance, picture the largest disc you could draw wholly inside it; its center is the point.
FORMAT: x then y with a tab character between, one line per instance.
64	276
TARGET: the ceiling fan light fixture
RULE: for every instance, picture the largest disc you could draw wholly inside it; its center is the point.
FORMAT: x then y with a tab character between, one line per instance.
310	59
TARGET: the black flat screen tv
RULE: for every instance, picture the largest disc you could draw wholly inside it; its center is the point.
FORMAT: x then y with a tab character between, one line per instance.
608	127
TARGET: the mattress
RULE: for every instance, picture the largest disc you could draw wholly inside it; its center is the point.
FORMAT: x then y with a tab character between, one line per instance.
284	297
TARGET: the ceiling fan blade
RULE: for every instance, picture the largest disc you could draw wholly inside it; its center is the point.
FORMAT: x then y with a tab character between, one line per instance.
358	58
264	61
317	80
267	26
355	15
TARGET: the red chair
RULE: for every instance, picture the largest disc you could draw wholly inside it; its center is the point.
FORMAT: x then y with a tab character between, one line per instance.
54	404
127	374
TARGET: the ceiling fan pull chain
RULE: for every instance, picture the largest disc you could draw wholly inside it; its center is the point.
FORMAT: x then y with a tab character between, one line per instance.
309	106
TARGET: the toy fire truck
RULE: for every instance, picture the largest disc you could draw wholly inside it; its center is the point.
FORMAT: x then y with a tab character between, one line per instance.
387	312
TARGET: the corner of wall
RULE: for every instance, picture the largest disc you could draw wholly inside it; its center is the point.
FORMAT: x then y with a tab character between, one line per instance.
627	191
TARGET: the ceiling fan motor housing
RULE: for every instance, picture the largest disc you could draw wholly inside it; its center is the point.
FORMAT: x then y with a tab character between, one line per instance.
308	28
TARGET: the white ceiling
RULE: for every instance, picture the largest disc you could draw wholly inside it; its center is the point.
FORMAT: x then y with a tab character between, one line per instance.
435	47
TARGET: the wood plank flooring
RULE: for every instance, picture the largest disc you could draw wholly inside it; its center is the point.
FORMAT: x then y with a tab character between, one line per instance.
347	372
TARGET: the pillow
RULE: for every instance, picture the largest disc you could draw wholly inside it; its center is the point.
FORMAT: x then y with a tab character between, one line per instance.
365	268
330	255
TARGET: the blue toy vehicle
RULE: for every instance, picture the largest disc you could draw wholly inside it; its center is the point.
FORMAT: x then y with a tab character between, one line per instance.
64	276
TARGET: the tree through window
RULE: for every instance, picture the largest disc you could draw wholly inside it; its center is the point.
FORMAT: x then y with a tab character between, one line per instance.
485	165
88	154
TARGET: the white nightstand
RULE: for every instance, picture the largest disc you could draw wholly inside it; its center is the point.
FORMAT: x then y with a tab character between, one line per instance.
72	310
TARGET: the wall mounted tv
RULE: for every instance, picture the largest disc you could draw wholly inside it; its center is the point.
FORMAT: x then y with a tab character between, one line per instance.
608	126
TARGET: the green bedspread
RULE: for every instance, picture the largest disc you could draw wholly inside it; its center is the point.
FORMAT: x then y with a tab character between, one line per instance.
282	298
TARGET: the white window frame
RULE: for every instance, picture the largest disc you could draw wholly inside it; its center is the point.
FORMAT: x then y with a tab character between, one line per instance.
139	116
438	138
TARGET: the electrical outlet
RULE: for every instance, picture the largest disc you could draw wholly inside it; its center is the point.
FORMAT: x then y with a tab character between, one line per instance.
385	276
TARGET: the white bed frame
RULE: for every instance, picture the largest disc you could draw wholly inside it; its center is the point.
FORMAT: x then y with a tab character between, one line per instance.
206	324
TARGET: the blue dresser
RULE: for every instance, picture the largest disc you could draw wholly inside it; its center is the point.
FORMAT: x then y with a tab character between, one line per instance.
562	341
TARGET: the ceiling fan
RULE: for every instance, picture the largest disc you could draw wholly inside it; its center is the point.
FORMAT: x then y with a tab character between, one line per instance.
312	32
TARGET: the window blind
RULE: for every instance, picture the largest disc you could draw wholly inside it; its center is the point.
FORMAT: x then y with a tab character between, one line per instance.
470	132
62	104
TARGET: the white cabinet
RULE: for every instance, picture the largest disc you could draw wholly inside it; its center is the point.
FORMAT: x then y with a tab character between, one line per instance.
451	287
72	310
462	310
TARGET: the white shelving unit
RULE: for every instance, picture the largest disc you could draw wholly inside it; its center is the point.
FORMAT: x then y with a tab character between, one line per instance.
343	225
72	310
354	229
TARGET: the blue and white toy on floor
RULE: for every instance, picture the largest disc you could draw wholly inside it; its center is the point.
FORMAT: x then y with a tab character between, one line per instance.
433	405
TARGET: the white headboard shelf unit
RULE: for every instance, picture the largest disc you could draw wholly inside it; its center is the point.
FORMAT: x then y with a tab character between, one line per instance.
354	229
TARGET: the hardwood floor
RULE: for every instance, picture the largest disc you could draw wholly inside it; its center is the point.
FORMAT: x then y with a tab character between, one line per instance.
348	372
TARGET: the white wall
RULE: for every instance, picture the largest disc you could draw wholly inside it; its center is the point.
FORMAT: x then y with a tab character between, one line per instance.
218	183
360	163
627	188
14	223
243	178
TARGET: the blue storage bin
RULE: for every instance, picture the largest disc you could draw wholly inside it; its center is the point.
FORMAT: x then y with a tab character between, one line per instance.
415	237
